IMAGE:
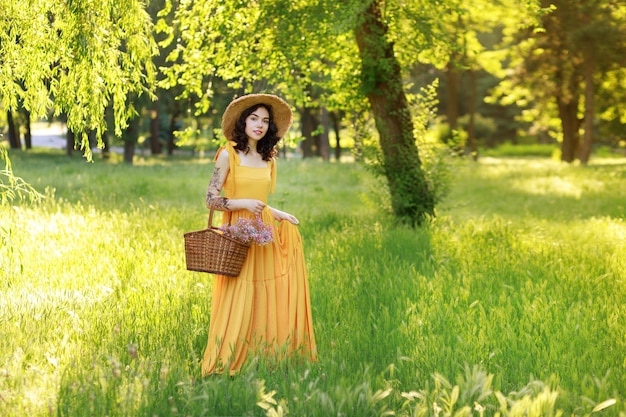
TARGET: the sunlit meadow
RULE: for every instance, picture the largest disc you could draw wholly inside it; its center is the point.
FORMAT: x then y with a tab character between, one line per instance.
512	302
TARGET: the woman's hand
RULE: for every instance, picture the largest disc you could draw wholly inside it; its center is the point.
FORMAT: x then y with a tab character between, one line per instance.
281	215
253	206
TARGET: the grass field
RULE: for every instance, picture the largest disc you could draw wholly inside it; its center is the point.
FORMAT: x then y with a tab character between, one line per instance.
512	302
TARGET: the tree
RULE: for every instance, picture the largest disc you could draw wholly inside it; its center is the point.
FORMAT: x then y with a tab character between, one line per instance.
77	58
342	48
382	84
602	45
462	45
559	63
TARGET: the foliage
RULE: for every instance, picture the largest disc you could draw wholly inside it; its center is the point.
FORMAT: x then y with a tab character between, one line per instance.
278	45
549	61
511	302
438	162
484	128
78	58
306	50
13	187
455	139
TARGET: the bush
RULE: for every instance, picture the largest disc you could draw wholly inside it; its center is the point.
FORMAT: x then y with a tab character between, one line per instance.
484	128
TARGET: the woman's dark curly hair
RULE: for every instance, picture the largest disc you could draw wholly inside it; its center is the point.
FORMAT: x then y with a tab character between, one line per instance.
265	146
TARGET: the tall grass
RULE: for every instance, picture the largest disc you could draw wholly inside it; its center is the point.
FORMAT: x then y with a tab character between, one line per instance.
512	301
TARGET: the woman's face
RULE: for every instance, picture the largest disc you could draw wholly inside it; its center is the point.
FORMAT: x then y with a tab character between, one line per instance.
257	123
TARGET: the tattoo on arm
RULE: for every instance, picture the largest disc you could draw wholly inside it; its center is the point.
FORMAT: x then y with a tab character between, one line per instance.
215	180
221	203
213	193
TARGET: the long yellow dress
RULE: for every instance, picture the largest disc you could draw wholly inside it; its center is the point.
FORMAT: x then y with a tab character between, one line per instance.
266	310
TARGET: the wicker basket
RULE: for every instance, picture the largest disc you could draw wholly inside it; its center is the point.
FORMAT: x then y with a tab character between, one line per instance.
210	251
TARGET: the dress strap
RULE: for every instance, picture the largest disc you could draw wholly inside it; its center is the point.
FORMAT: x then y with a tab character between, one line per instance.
273	174
232	153
233	161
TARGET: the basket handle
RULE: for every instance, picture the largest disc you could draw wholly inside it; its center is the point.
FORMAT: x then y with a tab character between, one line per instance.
211	215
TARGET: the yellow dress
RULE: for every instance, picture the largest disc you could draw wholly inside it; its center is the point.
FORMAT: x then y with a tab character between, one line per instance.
266	310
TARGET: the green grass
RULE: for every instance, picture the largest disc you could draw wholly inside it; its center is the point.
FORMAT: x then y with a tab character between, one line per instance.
513	300
507	150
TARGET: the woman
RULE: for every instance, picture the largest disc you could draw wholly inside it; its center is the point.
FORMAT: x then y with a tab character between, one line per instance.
266	309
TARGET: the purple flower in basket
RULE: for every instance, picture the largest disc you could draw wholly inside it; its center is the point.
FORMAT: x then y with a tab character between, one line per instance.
249	231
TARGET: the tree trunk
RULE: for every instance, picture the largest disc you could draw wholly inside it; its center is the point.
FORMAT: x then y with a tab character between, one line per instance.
155	144
568	113
171	140
70	141
334	117
92	139
14	134
452	105
106	147
324	143
129	151
585	151
308	124
411	198
28	136
470	147
131	135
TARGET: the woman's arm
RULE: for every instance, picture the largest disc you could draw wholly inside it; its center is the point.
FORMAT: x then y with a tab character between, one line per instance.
281	215
213	193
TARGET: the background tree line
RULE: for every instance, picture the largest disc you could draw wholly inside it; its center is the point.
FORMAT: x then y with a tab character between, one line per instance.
506	71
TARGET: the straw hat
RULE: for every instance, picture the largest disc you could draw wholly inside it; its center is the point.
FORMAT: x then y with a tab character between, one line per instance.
280	111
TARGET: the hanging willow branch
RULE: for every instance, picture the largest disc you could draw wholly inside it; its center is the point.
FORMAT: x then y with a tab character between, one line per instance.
13	187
